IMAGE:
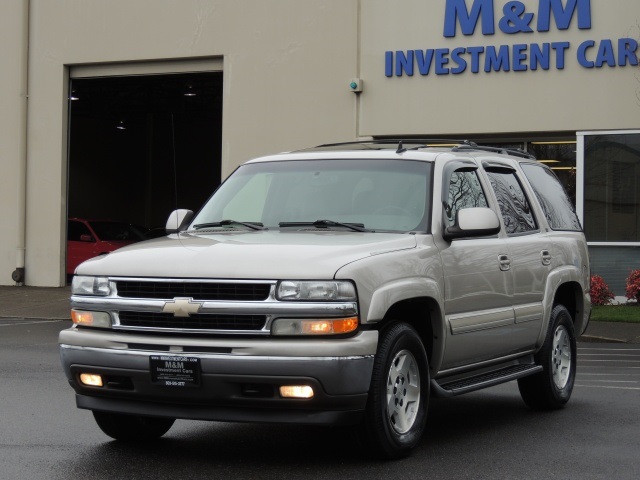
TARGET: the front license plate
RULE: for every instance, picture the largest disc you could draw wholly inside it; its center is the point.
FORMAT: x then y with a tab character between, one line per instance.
175	371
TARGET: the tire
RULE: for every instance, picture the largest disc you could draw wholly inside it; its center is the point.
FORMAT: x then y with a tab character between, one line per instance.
551	388
396	412
132	427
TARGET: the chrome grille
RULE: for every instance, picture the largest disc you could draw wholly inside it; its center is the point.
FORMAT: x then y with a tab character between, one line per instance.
242	292
201	321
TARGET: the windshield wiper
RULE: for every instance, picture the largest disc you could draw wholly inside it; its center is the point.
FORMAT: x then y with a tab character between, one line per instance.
223	223
356	227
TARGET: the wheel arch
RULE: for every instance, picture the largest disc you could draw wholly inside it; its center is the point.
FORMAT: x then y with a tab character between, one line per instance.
564	287
572	296
425	316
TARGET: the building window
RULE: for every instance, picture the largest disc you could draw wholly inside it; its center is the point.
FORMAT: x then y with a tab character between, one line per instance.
611	180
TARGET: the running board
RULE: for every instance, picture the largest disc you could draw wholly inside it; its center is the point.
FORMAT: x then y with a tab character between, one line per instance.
458	387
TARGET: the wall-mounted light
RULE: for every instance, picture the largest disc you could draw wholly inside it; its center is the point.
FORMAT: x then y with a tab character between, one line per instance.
121	125
73	97
356	85
190	92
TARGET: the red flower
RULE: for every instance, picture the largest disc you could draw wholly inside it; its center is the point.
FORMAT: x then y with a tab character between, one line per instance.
633	285
600	292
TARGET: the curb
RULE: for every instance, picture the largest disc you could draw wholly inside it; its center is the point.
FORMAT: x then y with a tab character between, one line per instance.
596	339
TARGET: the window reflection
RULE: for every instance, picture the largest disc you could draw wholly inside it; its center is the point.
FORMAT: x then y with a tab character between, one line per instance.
465	191
559	155
514	205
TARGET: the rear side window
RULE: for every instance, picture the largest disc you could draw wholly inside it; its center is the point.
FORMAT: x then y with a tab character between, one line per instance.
555	203
514	205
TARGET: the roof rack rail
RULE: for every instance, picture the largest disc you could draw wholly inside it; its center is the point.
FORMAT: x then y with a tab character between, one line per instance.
418	143
516	152
412	141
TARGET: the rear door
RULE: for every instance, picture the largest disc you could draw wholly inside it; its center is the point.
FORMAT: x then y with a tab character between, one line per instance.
529	249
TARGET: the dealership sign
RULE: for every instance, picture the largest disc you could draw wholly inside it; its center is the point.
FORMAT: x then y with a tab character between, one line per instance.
513	20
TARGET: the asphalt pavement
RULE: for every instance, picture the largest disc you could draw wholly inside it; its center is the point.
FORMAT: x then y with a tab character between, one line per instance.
52	303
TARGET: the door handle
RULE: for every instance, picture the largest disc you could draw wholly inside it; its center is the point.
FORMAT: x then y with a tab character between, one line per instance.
545	258
505	263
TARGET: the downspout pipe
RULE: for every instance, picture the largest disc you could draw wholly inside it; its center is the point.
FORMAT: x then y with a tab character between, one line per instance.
18	274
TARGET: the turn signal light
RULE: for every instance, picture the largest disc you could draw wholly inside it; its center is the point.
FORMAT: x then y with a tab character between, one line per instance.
91	319
306	326
329	327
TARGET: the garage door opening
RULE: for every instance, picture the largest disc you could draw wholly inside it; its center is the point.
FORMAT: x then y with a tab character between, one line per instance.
138	147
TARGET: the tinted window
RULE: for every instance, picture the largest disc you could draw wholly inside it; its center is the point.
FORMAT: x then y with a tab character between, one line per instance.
465	191
611	193
514	205
556	205
116	231
75	230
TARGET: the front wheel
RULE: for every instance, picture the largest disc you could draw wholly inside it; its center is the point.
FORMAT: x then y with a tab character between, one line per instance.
399	395
132	427
551	388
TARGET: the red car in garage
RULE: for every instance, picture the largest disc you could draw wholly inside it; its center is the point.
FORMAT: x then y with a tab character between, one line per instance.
90	238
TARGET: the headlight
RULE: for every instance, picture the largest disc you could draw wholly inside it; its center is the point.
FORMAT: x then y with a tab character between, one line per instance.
333	290
90	286
307	326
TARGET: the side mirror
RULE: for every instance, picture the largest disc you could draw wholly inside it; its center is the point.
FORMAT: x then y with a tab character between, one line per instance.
178	221
473	222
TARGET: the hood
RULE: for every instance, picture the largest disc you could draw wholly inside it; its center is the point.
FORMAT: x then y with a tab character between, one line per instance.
259	255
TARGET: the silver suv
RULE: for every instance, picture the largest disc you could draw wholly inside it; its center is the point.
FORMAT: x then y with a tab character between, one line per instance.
346	283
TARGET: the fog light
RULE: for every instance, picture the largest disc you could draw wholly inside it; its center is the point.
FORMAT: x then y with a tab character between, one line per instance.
91	379
296	391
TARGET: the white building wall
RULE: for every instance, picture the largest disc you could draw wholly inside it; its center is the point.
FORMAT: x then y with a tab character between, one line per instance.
13	98
287	67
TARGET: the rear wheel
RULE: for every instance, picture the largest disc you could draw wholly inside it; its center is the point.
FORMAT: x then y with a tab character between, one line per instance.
132	427
399	395
551	388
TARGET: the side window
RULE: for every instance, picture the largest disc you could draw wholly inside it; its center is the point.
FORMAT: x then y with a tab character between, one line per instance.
514	205
555	203
75	230
465	191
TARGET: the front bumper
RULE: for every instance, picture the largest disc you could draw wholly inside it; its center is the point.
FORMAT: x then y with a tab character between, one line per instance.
240	378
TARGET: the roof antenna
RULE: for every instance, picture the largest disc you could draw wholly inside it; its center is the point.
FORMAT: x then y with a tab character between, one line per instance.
175	168
401	149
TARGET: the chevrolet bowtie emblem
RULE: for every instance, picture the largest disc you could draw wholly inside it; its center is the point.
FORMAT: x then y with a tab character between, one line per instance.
182	307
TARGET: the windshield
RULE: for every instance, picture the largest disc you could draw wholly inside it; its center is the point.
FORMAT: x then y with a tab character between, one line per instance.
380	195
116	231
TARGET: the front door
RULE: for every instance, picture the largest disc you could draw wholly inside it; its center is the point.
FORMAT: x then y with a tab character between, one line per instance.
478	283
